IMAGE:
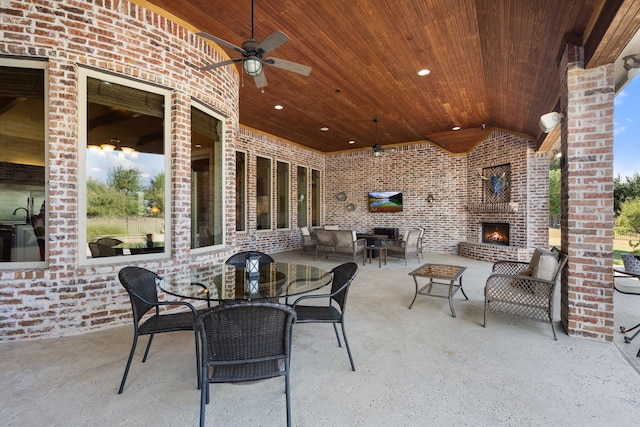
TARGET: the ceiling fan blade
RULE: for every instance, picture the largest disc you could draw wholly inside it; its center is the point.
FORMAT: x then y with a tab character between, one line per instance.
276	39
261	80
289	66
219	64
221	42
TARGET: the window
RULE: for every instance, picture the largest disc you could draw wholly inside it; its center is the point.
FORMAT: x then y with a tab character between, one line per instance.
282	194
241	191
124	133
23	148
206	180
263	193
315	197
302	196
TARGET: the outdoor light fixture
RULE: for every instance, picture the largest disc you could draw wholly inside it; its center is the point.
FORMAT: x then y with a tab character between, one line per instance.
632	65
252	66
550	120
114	144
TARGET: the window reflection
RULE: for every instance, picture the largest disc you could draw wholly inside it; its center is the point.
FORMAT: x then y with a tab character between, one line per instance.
241	191
302	196
23	231
125	189
206	180
282	186
315	197
263	193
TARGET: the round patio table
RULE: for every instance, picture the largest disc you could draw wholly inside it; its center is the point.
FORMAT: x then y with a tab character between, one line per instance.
223	282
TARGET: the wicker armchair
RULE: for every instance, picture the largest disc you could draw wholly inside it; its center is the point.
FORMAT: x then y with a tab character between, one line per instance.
244	342
343	276
140	284
308	241
525	289
408	246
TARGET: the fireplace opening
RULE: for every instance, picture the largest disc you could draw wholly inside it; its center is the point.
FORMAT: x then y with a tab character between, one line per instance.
495	233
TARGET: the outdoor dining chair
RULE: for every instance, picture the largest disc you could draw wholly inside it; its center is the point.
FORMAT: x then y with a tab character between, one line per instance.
333	311
244	342
140	284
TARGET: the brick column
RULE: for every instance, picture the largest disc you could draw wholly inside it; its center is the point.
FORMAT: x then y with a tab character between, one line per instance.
587	197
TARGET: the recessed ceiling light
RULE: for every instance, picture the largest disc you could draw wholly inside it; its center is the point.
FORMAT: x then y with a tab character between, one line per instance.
278	107
324	129
424	72
352	142
456	128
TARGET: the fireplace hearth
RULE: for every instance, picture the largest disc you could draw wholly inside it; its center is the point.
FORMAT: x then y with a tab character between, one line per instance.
495	233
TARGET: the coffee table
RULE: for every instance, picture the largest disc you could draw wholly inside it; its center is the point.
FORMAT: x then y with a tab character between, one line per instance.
449	273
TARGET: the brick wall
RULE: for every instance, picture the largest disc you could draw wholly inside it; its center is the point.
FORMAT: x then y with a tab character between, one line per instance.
587	196
417	170
126	39
255	143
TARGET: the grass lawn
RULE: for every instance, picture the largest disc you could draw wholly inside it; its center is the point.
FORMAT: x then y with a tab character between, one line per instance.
619	246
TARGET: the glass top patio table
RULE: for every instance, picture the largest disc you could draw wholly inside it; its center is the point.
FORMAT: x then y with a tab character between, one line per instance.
223	282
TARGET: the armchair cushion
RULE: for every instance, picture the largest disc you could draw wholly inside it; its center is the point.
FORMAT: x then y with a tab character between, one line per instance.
547	265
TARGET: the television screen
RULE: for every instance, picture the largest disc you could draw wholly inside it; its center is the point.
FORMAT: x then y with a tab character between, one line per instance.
385	201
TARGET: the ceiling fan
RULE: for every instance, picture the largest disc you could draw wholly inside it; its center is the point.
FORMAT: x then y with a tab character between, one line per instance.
377	148
253	55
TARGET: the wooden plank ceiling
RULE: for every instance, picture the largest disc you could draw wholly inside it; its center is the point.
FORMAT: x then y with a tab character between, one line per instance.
492	63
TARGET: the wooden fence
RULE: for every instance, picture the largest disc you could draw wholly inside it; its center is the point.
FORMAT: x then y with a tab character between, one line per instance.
137	225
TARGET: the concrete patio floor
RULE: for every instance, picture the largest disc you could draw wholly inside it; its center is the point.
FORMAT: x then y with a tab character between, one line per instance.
417	367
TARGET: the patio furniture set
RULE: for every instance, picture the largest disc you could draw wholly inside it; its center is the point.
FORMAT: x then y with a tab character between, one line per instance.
247	335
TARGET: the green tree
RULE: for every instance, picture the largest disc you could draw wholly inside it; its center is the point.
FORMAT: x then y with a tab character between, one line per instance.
154	194
103	200
629	219
625	189
125	180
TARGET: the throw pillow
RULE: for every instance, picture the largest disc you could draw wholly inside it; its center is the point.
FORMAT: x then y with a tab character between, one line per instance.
547	266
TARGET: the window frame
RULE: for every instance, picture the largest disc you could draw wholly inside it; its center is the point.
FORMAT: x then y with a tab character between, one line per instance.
305	192
211	153
313	198
287	202
84	73
38	64
244	189
270	196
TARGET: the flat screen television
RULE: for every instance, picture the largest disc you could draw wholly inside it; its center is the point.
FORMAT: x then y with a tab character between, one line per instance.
385	201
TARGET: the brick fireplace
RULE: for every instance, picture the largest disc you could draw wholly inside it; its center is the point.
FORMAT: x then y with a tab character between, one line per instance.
521	216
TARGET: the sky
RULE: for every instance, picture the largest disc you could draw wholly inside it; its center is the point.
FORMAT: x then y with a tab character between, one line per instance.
626	130
100	162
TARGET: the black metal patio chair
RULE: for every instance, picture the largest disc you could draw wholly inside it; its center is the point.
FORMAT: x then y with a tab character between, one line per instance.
141	286
343	276
244	342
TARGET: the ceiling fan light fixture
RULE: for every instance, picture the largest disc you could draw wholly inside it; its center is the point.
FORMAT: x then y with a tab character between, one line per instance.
252	66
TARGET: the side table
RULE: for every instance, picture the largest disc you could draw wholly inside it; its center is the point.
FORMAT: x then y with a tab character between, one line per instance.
449	273
382	253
